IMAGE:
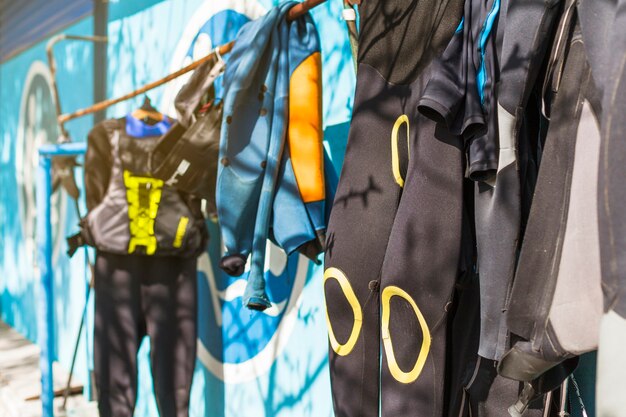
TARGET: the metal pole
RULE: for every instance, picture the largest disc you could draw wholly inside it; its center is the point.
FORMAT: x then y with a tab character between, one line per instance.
45	307
55	89
564	403
66	393
100	64
53	70
45	296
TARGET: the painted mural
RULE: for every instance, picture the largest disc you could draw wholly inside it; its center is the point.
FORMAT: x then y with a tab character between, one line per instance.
27	121
265	364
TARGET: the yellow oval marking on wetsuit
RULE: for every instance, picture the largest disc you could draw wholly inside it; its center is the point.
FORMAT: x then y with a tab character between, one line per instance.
348	292
396	372
395	160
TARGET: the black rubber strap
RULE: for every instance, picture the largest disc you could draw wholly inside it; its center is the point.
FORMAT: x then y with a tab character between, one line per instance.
74	242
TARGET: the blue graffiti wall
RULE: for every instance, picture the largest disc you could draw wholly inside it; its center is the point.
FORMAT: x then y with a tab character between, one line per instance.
27	120
272	363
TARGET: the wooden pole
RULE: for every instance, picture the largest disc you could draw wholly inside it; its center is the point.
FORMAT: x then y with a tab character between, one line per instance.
295	12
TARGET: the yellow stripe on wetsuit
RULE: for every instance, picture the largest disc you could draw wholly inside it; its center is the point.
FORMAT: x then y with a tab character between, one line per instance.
305	135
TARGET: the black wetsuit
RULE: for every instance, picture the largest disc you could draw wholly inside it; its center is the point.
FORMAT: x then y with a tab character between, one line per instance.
394	233
557	291
138	294
462	96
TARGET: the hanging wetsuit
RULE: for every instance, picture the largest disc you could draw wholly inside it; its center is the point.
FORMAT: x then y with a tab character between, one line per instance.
395	228
603	23
273	180
187	156
525	44
462	96
147	237
556	301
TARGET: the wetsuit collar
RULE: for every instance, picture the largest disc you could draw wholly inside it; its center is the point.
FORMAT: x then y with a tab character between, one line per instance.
138	129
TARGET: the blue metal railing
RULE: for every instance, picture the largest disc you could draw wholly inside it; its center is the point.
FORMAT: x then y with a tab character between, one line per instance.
45	310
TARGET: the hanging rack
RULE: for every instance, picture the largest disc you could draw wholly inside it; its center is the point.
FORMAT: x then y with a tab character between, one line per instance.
295	12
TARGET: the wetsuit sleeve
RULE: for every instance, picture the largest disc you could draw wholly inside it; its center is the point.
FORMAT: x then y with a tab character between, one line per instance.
98	164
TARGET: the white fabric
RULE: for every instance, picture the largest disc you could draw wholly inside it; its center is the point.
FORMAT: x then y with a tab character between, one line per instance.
348	14
611	383
577	306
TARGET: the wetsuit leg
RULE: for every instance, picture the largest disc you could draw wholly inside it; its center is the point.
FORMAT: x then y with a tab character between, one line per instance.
393	52
490	395
168	294
419	275
118	333
473	386
359	227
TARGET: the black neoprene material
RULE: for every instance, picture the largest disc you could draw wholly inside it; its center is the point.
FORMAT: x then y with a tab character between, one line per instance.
137	296
536	275
98	160
383	236
596	20
452	96
488	394
530	25
399	38
233	265
473	387
421	259
461	95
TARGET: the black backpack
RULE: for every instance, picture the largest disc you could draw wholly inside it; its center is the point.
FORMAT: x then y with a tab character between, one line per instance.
187	159
186	156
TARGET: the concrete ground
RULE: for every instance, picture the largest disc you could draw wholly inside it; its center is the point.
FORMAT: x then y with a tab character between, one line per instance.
20	381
